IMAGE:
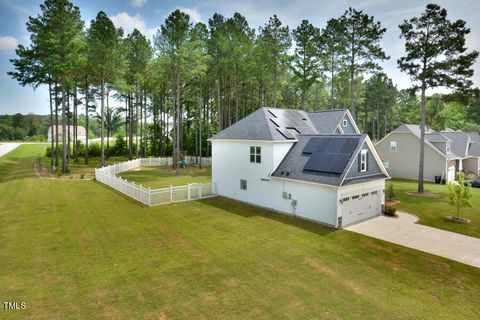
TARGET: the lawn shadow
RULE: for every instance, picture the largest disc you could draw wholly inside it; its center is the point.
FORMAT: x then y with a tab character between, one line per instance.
250	211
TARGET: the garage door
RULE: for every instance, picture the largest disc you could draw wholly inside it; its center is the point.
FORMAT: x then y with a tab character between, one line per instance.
360	206
451	173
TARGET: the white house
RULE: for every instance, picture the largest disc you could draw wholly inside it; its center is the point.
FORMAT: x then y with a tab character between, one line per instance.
314	165
446	153
81	133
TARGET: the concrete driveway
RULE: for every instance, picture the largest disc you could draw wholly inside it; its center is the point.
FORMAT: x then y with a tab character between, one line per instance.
6	147
406	232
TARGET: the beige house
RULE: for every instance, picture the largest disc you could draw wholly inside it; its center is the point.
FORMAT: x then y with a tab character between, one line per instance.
446	153
81	133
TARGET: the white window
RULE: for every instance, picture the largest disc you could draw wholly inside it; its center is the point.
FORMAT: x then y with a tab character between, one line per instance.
243	184
393	146
255	154
363	161
448	147
345	122
386	163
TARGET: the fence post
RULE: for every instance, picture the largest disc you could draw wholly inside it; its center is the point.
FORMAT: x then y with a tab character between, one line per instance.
200	191
171	193
149	196
188	191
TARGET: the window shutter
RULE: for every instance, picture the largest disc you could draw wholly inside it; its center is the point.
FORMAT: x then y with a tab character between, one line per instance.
366	162
359	161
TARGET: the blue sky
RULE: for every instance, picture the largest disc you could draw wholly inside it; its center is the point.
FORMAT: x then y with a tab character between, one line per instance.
148	15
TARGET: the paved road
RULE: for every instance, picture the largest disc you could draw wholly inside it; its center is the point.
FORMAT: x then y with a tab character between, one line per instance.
406	232
6	147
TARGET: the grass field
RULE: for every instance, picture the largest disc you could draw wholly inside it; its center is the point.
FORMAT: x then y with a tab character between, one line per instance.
433	210
77	250
164	176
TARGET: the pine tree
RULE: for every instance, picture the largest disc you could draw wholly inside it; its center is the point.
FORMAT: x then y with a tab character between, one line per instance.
435	57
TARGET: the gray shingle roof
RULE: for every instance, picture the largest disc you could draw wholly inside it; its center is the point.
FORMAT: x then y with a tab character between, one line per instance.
327	121
295	160
459	142
273	124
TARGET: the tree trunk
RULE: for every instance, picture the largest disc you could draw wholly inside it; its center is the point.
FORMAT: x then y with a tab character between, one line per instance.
145	123
75	119
86	121
102	122
422	139
275	84
56	126
332	73
304	100
136	126
353	110
179	118
109	123
52	144
219	103
64	133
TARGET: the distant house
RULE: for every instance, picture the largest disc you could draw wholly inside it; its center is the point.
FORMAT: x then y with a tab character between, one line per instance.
315	165
446	153
81	133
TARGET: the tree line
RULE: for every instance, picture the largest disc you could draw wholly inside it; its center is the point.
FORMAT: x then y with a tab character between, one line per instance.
193	80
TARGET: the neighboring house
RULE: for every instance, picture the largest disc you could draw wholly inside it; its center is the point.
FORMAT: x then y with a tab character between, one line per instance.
81	133
314	165
446	153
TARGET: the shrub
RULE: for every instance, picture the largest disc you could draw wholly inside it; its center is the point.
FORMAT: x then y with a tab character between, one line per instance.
94	149
119	148
390	211
390	192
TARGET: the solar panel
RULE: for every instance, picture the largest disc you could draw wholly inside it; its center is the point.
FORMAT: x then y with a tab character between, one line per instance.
288	120
327	162
286	133
329	154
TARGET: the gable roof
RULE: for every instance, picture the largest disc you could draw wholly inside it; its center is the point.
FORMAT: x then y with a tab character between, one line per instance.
295	164
274	124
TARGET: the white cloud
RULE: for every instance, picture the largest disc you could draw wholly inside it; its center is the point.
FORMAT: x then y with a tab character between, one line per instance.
8	43
137	3
195	16
128	23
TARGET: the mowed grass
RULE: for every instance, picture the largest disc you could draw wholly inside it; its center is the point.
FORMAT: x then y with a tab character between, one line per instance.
433	210
77	250
164	176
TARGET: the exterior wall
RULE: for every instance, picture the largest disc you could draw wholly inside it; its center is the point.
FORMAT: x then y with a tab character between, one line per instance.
404	162
372	165
359	189
472	164
231	163
349	129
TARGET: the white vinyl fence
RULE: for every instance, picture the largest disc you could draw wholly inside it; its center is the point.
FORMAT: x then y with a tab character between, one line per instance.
152	197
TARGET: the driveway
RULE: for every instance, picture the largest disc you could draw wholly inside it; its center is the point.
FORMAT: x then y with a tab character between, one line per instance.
6	147
406	232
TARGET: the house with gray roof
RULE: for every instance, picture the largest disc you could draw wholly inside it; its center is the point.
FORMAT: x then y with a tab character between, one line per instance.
446	153
314	165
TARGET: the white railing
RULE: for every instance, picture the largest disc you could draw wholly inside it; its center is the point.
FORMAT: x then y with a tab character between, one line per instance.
148	196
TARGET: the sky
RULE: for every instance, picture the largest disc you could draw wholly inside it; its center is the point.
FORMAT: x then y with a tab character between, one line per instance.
148	15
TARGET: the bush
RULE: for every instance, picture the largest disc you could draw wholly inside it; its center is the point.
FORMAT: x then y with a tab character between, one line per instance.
119	148
94	149
390	192
390	211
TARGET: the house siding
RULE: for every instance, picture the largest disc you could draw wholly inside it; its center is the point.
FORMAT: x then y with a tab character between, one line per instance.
349	129
472	164
372	165
404	162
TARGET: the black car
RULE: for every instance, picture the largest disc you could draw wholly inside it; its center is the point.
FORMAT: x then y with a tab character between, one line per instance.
475	183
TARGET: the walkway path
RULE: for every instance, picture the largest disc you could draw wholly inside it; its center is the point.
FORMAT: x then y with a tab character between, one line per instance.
406	232
6	147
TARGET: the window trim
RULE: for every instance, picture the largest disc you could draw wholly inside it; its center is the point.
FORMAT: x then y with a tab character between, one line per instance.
256	155
345	122
243	184
386	164
393	146
363	160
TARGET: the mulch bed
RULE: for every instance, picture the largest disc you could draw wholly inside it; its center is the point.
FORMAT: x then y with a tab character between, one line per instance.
391	202
458	220
419	194
42	172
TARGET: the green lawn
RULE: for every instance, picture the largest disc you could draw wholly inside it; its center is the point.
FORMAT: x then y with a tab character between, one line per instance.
164	176
76	250
433	211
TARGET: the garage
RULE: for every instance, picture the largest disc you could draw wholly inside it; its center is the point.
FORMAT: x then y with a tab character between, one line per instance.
360	206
